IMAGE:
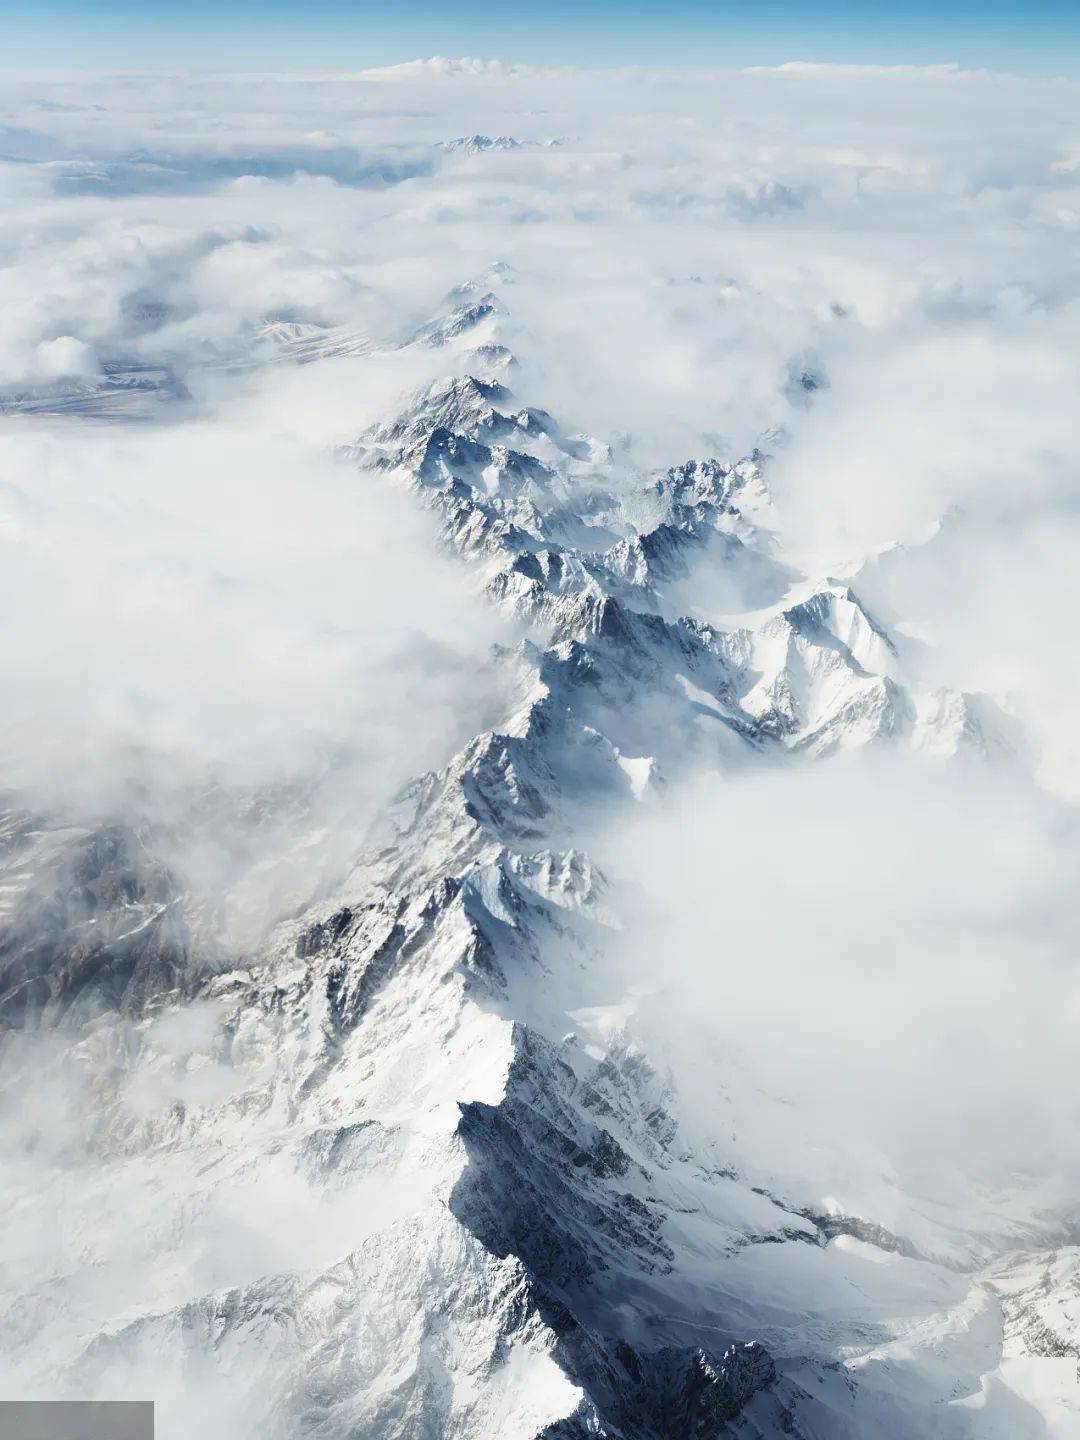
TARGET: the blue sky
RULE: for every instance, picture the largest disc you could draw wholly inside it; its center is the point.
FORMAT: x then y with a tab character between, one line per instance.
1040	38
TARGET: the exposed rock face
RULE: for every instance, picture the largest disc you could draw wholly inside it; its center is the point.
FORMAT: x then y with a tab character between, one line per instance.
383	1193
99	926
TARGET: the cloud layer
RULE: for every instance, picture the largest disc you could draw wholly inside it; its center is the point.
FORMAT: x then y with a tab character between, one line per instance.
864	972
879	262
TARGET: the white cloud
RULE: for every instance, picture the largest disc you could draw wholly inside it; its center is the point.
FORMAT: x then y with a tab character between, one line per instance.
440	65
861	976
219	603
64	357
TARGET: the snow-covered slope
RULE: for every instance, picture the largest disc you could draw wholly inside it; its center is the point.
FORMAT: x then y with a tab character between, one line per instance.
404	1169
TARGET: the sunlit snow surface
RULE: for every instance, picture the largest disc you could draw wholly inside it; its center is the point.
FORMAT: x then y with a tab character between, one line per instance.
537	858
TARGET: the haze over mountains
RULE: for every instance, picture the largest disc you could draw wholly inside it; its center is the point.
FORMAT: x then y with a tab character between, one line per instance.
540	763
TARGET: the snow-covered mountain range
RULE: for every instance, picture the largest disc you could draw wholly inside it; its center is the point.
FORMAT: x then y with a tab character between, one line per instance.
407	1166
